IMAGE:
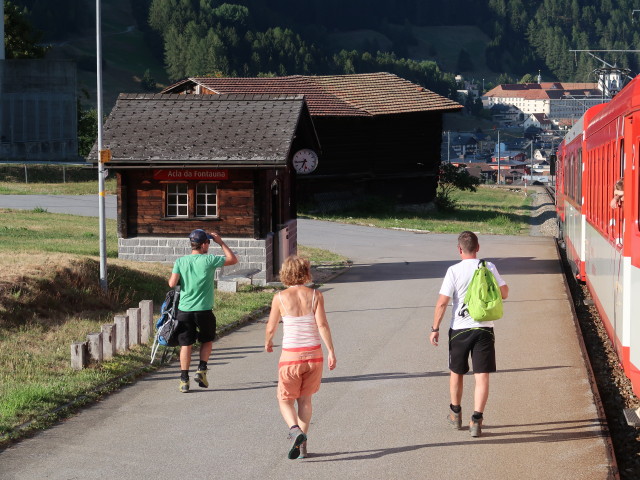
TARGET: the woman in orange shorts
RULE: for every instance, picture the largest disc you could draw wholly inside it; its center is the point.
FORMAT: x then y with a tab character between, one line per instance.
300	367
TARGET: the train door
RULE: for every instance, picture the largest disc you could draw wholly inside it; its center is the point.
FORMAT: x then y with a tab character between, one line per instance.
631	249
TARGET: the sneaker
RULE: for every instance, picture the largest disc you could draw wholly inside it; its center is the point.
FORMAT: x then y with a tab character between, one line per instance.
201	378
298	437
303	450
455	419
184	386
475	427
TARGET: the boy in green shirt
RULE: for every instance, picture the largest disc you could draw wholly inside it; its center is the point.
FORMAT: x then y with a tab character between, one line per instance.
196	321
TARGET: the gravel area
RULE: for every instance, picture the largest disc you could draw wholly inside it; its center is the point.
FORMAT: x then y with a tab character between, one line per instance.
543	215
613	385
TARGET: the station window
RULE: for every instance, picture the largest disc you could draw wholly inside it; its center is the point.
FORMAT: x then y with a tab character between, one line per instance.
206	200
177	200
193	199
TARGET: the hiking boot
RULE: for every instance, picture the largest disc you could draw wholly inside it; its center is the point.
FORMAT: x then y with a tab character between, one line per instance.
475	427
455	419
201	378
297	437
303	450
184	386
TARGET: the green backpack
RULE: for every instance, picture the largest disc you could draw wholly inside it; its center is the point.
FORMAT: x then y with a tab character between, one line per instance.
483	298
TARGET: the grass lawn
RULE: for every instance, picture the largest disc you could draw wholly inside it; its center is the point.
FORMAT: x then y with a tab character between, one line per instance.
51	180
78	188
490	210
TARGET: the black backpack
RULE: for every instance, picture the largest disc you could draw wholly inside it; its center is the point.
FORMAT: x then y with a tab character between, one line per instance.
167	323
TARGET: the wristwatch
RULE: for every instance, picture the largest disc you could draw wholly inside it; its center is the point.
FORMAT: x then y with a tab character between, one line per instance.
435	329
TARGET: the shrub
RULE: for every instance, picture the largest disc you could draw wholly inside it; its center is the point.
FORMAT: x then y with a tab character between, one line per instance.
453	177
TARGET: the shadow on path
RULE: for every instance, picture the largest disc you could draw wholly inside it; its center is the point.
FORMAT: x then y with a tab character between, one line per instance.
548	432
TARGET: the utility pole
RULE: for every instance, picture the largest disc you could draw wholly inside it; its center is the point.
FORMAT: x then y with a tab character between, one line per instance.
499	154
553	153
102	157
2	30
531	173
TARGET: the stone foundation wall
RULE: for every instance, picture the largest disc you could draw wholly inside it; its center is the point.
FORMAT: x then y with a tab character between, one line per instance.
253	255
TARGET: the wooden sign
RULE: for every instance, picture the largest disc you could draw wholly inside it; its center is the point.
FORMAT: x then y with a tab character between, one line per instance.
190	174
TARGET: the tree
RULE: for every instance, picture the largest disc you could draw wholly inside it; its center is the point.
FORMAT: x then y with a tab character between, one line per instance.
21	40
87	128
453	178
527	78
504	79
148	83
465	64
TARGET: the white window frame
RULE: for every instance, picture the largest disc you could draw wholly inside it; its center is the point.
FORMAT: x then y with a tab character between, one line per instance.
210	209
177	199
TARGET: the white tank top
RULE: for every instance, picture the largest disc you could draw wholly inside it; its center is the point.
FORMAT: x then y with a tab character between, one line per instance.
300	332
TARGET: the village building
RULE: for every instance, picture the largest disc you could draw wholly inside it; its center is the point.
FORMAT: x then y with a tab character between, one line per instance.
558	100
380	134
538	120
217	162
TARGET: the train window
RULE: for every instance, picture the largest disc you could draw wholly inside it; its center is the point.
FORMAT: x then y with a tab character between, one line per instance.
573	176
580	176
622	157
567	178
609	165
599	190
570	178
594	183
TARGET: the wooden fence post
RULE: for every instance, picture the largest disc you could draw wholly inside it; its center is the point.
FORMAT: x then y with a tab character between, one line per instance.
122	332
146	321
134	326
94	345
108	341
78	355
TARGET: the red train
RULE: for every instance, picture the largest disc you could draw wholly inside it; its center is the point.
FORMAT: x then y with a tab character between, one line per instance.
603	243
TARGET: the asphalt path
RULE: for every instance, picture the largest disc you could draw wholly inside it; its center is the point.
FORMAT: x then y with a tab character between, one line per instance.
381	413
85	205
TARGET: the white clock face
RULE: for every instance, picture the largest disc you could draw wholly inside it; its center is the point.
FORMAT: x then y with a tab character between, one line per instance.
305	160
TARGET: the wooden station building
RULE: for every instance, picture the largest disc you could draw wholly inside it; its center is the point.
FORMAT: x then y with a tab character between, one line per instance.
217	162
380	134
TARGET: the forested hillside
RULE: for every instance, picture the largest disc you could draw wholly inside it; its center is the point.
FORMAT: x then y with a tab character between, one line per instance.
283	37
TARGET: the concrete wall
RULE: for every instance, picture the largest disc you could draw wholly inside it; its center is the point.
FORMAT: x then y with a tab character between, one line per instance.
252	254
255	257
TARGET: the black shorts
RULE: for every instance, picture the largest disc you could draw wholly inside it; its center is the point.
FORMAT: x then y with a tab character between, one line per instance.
479	342
192	326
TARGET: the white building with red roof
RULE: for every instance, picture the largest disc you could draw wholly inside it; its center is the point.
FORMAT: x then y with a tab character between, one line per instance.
557	100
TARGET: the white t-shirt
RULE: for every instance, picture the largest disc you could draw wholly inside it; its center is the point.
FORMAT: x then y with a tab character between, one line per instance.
455	285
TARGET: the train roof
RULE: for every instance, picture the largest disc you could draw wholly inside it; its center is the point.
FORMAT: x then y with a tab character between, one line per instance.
625	102
575	131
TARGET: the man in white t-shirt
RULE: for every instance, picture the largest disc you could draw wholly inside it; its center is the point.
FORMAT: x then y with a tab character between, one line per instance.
466	336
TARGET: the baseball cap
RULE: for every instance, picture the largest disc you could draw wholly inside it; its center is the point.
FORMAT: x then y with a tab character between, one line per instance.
199	236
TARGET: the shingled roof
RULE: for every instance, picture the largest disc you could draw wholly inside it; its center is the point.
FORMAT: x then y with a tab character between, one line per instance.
224	130
544	91
360	95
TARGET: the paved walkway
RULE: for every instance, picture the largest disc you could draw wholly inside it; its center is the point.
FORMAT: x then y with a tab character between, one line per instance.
381	413
85	205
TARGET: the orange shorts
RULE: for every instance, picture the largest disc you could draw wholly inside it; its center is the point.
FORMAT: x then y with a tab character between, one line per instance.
299	372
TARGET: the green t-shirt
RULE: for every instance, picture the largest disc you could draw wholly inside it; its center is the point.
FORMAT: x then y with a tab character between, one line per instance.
196	280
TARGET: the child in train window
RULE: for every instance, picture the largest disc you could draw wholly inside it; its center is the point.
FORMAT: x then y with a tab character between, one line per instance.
618	195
